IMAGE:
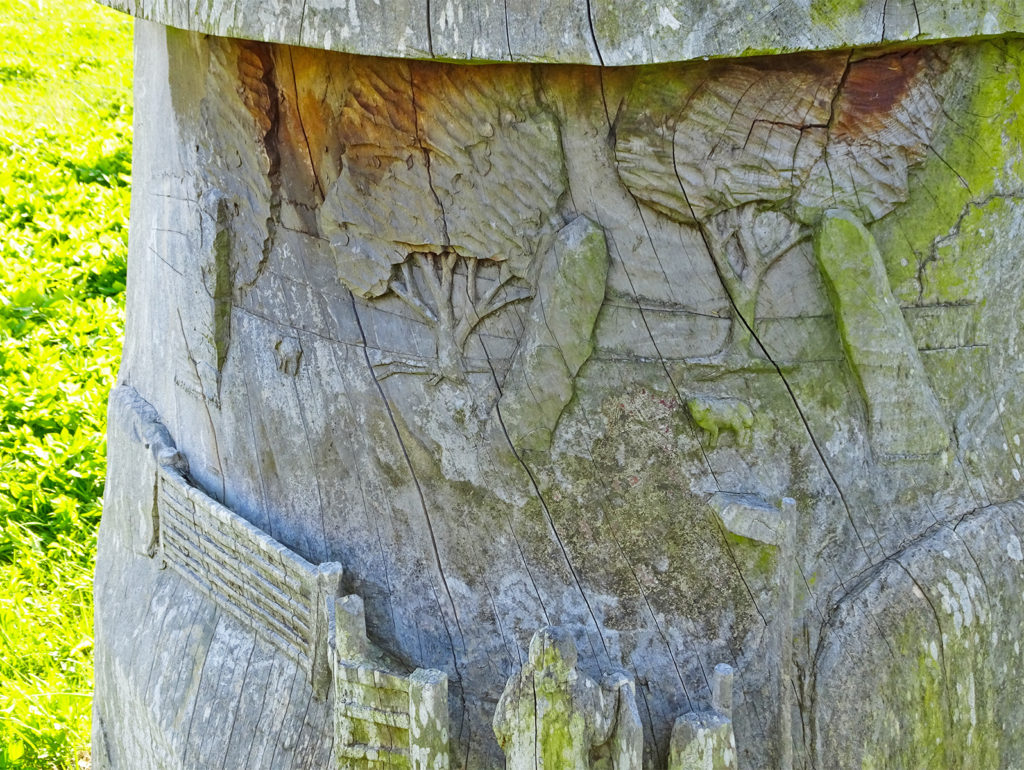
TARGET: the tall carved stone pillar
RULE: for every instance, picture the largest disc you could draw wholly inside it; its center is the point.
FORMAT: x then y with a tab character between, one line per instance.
688	334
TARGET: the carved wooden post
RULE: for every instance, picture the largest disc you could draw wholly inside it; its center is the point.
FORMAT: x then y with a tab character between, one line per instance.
382	717
447	321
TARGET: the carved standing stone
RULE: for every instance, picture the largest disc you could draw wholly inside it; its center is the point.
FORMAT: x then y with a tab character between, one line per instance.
705	740
517	343
559	336
904	416
551	716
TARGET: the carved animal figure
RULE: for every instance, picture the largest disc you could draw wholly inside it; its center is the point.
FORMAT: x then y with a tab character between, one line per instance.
288	354
715	415
551	717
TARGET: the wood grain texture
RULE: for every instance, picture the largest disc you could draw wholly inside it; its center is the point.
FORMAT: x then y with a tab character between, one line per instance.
605	32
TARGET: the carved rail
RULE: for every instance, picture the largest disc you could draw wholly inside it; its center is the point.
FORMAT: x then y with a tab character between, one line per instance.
255	579
383	720
375	710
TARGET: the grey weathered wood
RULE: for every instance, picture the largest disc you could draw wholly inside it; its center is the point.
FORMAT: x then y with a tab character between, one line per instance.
608	32
702	740
701	363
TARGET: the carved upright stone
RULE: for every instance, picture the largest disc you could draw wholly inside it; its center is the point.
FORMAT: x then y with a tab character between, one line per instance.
904	416
705	740
551	716
559	340
422	356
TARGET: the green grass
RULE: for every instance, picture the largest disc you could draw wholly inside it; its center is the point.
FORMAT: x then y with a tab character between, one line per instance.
65	152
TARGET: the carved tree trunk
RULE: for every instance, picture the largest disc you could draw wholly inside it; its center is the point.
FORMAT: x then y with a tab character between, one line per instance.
722	406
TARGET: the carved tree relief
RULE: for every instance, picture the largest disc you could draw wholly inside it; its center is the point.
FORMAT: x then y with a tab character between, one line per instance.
426	282
744	243
754	153
552	246
493	157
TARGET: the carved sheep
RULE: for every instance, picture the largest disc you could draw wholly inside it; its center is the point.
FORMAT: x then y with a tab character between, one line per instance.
715	415
288	354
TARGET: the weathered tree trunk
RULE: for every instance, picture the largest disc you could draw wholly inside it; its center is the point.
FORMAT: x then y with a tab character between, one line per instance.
706	376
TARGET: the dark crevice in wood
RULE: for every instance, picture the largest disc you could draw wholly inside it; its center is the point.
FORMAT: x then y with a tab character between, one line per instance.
593	34
423	504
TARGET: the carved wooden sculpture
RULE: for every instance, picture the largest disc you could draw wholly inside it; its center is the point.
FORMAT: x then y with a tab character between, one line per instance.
691	329
551	716
705	740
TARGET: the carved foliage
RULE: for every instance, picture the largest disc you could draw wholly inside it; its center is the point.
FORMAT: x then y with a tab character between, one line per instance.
472	173
800	133
238	145
482	176
238	205
752	153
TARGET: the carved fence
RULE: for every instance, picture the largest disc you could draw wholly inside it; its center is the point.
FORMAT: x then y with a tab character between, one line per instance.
376	716
383	720
251	576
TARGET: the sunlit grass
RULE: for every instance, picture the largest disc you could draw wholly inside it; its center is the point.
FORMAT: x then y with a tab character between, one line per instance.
65	137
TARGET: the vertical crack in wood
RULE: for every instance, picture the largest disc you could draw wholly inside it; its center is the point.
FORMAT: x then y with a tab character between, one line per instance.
206	408
302	127
593	34
423	505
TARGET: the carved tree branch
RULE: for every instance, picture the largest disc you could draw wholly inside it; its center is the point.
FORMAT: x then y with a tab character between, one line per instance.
428	268
407	292
483	308
716	242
